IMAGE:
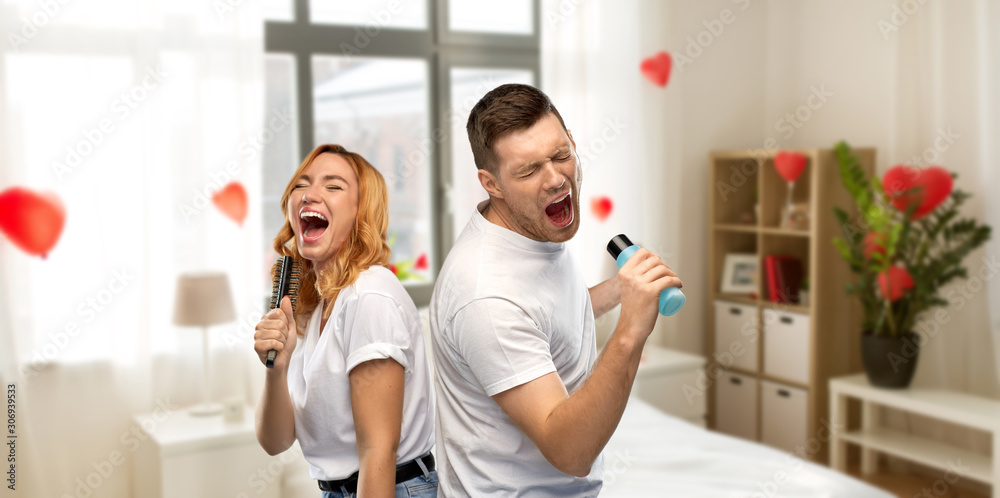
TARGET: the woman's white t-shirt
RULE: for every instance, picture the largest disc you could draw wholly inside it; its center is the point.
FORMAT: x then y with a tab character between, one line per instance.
372	319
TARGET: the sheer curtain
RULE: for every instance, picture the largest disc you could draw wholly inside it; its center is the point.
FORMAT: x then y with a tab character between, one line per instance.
133	114
946	69
625	129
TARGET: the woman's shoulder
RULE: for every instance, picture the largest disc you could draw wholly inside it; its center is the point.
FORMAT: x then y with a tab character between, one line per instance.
379	280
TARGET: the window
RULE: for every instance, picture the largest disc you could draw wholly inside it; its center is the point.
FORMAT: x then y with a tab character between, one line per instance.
394	81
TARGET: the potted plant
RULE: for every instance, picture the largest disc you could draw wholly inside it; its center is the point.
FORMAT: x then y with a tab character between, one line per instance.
906	244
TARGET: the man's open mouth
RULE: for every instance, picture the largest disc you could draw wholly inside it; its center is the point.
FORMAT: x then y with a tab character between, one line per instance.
312	225
560	212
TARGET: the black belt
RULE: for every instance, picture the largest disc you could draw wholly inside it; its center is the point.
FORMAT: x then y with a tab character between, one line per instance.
404	473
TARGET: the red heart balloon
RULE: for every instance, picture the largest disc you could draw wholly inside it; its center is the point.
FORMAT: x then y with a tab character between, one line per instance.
657	68
895	282
33	222
232	201
926	188
601	207
790	165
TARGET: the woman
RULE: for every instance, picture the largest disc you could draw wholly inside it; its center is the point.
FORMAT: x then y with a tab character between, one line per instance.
359	368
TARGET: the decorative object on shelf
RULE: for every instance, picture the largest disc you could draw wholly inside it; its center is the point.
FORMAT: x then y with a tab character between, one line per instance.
804	292
232	201
33	222
790	166
798	218
657	68
232	409
739	275
902	257
203	300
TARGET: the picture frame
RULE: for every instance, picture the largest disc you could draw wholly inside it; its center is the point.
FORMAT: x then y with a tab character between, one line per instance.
740	273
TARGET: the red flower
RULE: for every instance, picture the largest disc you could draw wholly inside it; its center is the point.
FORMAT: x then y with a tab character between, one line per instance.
873	244
895	282
392	268
421	263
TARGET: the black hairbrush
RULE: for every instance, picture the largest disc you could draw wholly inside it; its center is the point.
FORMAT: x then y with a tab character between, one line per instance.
285	282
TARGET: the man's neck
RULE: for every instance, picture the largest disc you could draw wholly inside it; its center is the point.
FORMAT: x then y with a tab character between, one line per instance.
494	213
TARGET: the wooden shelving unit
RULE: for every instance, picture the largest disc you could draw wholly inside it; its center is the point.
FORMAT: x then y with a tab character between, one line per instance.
738	180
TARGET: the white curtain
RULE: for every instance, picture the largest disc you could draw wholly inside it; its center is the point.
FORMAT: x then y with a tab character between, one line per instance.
946	68
624	127
988	18
133	114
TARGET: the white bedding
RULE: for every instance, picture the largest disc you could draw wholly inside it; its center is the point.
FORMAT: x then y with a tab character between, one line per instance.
654	454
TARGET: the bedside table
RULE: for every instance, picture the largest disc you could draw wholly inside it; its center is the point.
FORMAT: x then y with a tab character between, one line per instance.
661	379
193	457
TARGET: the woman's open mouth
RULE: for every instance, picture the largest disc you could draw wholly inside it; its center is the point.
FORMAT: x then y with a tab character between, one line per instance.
560	212
312	226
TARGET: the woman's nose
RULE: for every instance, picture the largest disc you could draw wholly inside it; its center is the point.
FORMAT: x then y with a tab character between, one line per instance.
310	194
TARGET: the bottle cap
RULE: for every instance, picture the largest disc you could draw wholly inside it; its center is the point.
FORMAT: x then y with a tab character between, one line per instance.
618	244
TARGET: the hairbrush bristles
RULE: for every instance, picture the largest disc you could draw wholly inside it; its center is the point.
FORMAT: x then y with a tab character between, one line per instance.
294	276
285	277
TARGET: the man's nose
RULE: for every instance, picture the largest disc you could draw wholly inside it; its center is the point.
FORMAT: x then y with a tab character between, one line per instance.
553	177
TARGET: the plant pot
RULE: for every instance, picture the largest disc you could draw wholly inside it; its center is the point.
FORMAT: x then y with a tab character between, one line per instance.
890	361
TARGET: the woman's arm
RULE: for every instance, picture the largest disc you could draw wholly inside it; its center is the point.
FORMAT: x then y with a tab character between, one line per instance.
377	403
275	416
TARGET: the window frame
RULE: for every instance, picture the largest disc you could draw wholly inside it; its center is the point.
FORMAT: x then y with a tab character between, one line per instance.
442	50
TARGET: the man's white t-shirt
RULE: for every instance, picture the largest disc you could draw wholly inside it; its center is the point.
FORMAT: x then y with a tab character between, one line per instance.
506	310
372	319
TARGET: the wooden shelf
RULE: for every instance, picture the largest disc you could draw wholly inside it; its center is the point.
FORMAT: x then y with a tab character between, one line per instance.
737	298
794	308
745	181
735	227
785	232
925	451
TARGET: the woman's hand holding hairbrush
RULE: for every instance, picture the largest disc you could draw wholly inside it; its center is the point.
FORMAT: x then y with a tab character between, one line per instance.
276	330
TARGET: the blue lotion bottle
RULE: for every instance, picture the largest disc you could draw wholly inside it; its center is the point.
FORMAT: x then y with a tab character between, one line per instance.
671	299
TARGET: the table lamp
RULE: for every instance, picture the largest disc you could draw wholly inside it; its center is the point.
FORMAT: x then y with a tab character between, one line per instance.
203	300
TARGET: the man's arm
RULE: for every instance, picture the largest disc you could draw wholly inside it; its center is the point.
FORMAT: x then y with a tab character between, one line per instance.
605	296
571	430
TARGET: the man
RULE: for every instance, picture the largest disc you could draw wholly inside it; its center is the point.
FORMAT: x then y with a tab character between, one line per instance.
525	407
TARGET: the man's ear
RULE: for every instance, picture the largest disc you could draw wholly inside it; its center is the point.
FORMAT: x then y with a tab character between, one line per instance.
490	184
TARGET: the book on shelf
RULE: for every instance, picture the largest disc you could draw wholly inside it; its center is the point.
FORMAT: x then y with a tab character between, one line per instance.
783	278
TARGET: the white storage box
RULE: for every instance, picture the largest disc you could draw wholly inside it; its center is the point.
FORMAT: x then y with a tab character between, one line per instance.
786	345
736	405
737	335
783	408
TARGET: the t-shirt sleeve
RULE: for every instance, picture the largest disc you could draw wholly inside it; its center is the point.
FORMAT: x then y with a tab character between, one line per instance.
374	329
502	345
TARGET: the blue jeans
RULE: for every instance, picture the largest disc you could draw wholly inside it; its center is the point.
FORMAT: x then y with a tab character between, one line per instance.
418	487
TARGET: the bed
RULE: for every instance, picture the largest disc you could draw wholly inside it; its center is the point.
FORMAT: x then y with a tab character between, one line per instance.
655	454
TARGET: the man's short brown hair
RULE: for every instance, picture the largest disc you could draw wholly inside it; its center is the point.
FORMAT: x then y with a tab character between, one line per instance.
504	110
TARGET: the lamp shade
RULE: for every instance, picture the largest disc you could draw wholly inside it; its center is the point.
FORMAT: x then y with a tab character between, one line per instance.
203	299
